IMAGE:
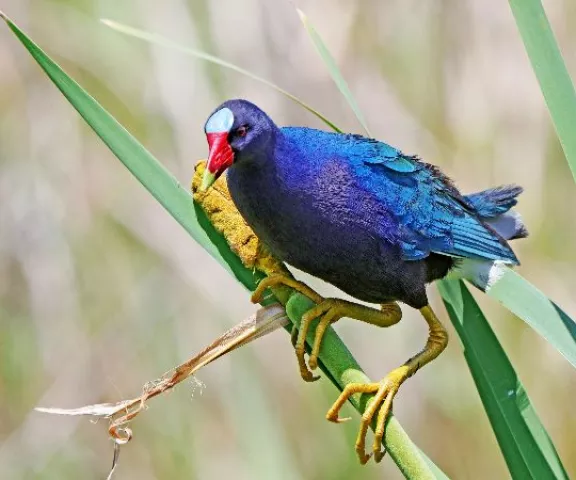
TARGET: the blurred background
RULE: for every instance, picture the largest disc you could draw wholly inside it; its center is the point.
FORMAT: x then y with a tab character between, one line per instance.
101	291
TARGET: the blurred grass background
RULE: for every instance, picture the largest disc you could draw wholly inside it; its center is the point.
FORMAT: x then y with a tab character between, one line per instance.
101	291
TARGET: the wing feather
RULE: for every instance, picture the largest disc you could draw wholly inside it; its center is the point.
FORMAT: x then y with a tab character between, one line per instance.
434	215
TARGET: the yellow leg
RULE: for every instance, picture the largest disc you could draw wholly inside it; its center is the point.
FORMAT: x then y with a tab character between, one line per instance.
329	311
386	390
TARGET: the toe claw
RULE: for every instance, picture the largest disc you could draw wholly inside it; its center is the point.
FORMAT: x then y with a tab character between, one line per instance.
305	372
379	453
331	417
308	377
339	419
363	457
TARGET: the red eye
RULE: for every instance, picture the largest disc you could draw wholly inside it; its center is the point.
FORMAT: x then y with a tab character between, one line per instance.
242	131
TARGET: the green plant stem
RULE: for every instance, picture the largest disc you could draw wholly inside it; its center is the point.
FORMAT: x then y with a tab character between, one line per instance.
550	70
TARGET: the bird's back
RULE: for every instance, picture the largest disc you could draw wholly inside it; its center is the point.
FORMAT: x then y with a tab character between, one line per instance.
423	211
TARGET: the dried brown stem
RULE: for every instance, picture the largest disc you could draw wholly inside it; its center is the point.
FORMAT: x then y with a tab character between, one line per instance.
264	321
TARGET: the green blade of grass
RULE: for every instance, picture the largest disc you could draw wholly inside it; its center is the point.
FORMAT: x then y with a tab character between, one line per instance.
151	173
333	69
335	359
527	448
164	42
544	316
522	438
515	293
550	71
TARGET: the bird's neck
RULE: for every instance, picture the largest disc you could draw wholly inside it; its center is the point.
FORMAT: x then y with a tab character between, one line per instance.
256	185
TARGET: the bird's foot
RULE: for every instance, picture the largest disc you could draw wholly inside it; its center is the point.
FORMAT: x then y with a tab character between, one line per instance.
298	334
380	406
328	311
377	410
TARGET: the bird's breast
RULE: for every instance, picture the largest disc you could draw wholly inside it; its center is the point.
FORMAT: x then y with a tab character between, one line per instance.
322	225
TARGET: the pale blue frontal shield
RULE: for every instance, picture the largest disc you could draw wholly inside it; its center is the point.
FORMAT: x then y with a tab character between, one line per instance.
220	121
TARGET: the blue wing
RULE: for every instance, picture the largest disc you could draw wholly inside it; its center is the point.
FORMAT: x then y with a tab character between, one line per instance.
432	215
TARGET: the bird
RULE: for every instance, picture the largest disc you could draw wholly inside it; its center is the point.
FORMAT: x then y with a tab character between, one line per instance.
358	213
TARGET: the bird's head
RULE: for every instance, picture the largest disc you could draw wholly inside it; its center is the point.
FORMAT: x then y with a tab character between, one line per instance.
238	132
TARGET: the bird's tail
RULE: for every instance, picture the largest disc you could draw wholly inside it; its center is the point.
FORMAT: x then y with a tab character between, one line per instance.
483	274
493	207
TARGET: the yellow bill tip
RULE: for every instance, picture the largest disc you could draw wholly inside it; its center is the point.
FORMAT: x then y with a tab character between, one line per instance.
207	180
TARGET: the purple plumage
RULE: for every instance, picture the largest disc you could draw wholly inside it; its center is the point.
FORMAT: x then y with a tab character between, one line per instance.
356	212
